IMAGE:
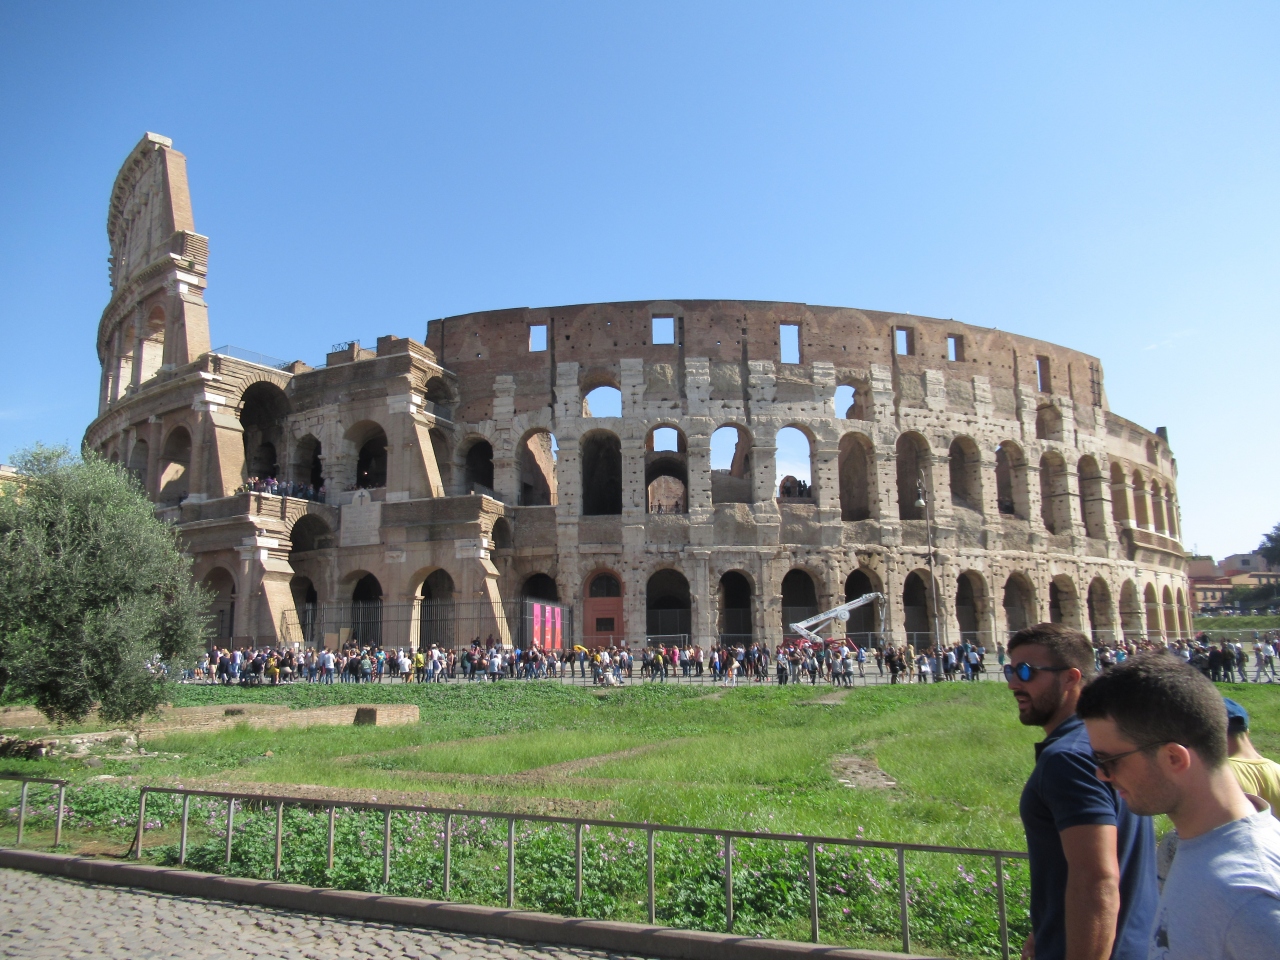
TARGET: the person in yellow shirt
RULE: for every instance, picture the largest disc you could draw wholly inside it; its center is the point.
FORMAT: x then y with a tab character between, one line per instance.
1257	775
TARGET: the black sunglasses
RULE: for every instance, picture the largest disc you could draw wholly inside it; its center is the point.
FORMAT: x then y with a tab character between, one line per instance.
1105	763
1025	671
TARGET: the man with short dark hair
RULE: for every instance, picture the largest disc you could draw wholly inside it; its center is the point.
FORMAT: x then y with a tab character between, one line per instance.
1093	883
1159	731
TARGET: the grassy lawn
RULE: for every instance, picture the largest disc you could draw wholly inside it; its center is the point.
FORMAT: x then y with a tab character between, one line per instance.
1234	625
749	758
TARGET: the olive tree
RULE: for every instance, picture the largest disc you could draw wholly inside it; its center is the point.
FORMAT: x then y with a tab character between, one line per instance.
96	597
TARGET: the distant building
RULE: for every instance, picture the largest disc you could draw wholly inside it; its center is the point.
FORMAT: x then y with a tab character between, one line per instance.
1212	583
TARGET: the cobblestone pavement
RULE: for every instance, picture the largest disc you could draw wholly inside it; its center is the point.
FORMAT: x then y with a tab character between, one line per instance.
42	916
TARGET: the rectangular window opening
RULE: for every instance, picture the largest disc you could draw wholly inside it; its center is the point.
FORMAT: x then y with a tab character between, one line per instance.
537	337
955	348
664	329
604	624
904	341
1044	375
789	342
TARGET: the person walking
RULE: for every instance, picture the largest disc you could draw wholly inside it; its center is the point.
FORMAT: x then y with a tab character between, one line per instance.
1092	859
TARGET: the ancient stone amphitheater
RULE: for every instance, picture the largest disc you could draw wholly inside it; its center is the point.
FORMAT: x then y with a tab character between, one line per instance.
608	472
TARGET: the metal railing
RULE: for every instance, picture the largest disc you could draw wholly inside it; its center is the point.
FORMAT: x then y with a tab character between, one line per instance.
812	845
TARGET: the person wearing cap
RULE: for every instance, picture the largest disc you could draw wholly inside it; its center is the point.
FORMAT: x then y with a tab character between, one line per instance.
1257	775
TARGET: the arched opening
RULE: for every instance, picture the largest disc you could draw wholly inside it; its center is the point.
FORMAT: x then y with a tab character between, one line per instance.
731	465
1055	494
436	613
1152	604
666	471
1131	612
309	532
1170	614
734	598
371	464
1064	603
501	534
971	604
846	402
917	611
480	468
536	461
1157	508
308	468
965	465
602	402
1180	600
601	454
439	398
1141	516
263	409
603	610
175	464
794	460
1101	620
138	458
668	606
1119	494
1048	423
856	465
864	622
366	612
1011	481
306	603
222	608
912	454
539	586
799	599
1171	513
1093	506
1019	603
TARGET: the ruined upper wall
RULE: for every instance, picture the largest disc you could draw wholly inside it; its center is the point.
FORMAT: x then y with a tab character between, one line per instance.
731	334
150	202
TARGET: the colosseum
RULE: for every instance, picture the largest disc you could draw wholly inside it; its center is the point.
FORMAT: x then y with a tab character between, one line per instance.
608	472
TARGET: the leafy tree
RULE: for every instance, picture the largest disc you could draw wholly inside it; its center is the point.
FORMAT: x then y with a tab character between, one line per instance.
1270	546
95	592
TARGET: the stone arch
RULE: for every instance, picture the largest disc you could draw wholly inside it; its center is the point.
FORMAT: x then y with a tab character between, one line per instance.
799	598
1048	422
1152	604
440	398
1012	492
1101	615
1119	494
666	470
1183	627
221	582
965	466
602	401
539	586
1141	514
668	604
600	452
139	456
370	441
735	599
918	599
1170	613
477	456
1019	602
801	481
857	467
1093	508
500	535
310	532
731	477
973	604
437	612
1157	508
366	609
864	621
1064	601
1131	612
175	466
603	610
913	462
536	463
1055	493
263	409
306	603
308	465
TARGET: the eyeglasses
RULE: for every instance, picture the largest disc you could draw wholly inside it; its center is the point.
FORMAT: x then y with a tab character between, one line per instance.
1025	671
1107	764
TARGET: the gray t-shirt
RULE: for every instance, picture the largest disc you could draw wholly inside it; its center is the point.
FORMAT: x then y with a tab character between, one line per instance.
1222	895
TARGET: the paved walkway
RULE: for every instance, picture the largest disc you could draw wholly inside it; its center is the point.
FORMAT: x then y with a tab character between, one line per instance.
42	916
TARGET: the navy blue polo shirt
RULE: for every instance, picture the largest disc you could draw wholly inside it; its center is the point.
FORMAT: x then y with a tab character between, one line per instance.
1064	791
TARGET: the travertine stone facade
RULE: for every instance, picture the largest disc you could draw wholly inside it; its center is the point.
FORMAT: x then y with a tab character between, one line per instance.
1040	503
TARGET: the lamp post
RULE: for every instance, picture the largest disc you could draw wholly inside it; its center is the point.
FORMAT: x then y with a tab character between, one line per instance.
923	502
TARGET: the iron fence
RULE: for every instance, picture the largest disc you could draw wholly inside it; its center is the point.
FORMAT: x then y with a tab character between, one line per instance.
810	843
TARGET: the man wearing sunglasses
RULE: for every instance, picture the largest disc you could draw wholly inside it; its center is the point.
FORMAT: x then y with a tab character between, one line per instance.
1159	729
1093	882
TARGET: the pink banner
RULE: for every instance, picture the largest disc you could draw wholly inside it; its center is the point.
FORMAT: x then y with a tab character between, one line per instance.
537	624
558	638
547	634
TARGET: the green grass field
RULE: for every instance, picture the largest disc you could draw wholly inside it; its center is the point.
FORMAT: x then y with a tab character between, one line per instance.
1231	626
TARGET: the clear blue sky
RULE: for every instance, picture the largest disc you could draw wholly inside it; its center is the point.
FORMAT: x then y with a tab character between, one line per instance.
1101	176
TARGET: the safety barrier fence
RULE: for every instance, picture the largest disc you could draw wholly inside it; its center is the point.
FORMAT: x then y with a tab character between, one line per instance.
726	838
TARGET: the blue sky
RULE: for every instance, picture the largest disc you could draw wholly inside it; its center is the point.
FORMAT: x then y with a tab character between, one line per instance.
1102	176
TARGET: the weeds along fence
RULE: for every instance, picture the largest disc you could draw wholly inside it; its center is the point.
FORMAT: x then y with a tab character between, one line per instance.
791	886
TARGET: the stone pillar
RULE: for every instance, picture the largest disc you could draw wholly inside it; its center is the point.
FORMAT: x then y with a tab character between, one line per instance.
506	471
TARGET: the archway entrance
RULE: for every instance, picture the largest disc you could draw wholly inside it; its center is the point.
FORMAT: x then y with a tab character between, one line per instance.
436	618
917	614
668	607
735	609
799	600
865	621
366	612
603	611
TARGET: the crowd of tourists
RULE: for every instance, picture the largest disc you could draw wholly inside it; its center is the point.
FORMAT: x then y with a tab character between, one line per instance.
283	488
